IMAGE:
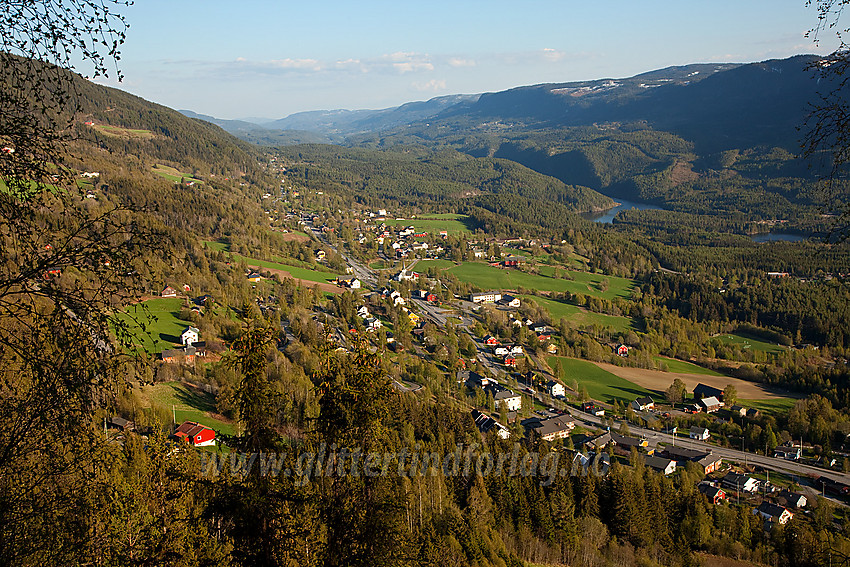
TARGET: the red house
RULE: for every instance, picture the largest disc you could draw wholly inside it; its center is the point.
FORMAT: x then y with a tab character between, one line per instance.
713	493
510	360
195	434
623	350
431	298
491	340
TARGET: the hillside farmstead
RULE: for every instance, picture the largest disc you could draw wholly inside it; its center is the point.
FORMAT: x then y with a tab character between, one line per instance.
195	434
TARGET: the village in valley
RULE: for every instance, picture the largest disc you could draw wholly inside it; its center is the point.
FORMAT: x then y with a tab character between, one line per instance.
423	286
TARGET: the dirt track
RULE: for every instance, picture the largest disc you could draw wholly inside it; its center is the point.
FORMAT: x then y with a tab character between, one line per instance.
657	380
284	274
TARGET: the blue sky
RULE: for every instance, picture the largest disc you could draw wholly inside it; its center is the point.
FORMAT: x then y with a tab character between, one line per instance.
270	59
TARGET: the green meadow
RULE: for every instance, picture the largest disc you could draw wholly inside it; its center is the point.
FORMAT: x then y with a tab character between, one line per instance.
675	365
423	265
217	246
186	403
172	174
490	277
775	406
123	132
750	342
577	316
154	324
295	271
433	224
601	385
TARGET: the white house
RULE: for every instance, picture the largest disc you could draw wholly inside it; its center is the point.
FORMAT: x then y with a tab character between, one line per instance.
486	423
773	512
511	400
740	482
501	351
660	464
189	336
643	404
516	350
556	389
700	433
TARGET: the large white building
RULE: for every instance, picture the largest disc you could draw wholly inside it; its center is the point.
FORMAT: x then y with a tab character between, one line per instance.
486	297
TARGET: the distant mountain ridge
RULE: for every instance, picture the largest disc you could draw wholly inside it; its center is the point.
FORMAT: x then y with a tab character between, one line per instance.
332	126
715	105
359	121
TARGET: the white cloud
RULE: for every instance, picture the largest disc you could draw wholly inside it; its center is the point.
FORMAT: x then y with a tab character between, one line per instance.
432	85
460	62
536	57
553	55
400	62
404	62
309	64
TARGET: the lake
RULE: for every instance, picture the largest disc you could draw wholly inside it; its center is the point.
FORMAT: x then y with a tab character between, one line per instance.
608	216
778	236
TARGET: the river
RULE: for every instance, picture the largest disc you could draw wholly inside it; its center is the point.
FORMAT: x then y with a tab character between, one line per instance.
608	216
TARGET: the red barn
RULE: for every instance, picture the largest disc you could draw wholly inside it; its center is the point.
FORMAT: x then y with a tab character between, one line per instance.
195	434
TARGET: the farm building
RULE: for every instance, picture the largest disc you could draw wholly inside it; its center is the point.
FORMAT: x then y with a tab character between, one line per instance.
195	434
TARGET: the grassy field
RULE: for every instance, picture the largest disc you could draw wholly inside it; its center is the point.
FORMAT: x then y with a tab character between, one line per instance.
217	246
750	342
188	403
577	316
295	271
423	265
154	323
778	406
601	385
454	224
674	365
489	277
172	174
119	132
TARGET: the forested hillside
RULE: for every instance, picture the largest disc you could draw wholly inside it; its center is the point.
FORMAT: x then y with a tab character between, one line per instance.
415	176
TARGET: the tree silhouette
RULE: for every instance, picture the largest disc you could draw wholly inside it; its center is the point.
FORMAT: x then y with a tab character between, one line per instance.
826	140
62	272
